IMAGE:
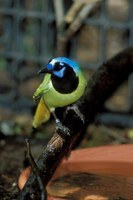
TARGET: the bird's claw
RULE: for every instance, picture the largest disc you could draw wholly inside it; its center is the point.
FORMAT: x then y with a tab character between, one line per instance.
62	130
77	111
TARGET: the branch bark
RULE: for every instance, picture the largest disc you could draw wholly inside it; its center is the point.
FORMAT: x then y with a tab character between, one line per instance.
100	87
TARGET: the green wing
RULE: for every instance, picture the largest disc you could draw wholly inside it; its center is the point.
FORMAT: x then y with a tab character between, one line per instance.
43	88
42	113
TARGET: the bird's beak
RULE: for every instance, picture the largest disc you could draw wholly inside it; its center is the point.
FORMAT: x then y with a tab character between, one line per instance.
44	70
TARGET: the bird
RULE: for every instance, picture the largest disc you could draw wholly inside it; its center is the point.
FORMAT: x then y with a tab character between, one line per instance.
63	84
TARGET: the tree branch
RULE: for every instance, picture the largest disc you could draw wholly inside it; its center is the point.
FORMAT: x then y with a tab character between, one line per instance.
81	9
100	87
76	7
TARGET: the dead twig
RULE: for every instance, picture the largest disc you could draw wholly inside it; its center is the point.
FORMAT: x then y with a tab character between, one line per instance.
35	170
81	9
76	7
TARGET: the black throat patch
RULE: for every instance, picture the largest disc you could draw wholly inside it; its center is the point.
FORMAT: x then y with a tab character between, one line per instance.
68	83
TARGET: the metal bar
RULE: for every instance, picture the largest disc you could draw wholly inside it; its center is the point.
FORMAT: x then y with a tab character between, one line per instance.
102	33
130	79
130	90
108	23
43	31
34	14
24	57
131	23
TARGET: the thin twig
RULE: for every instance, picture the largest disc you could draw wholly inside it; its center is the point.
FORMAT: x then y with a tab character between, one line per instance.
76	7
35	170
64	38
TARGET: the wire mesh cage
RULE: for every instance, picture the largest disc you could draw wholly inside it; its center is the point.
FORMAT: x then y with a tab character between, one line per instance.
28	39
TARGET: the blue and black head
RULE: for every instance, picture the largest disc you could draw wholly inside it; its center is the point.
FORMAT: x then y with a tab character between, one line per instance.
64	74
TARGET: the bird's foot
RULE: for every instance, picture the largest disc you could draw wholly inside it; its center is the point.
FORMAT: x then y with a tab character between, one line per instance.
77	111
62	130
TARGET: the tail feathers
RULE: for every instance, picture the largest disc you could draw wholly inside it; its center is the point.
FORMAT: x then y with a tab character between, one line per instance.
42	114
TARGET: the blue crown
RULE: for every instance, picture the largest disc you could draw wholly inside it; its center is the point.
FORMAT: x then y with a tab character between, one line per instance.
68	61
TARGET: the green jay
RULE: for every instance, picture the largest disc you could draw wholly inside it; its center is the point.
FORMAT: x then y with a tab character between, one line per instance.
63	84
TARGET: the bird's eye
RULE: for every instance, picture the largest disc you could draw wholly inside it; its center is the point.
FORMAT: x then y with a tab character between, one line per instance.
58	66
62	64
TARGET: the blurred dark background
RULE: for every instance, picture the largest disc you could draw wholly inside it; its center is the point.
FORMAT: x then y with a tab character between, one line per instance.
30	35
